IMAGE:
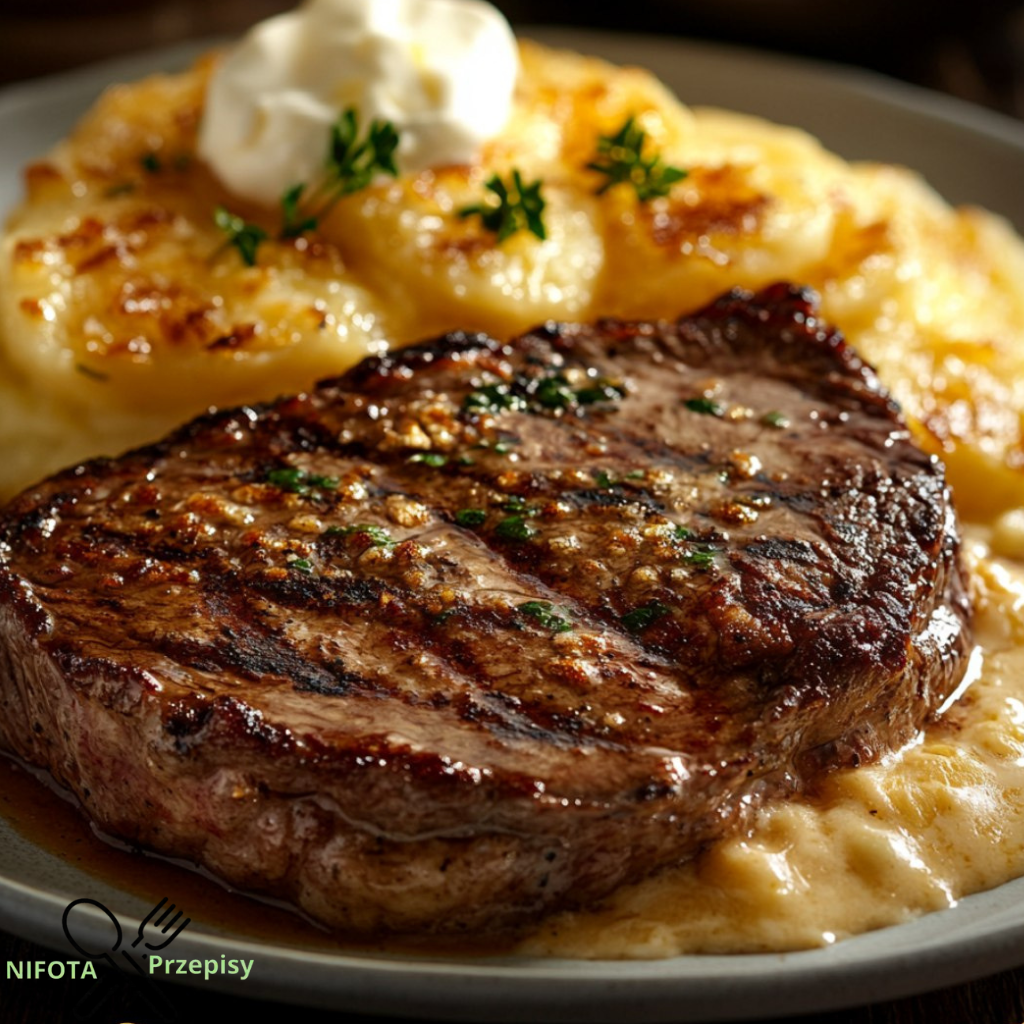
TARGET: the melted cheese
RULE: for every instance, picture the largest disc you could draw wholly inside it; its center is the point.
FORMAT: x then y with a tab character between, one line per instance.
876	846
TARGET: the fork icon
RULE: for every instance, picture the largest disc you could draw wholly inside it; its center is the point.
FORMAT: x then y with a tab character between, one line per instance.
166	921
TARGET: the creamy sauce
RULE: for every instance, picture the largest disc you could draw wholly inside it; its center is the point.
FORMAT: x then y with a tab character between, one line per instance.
874	847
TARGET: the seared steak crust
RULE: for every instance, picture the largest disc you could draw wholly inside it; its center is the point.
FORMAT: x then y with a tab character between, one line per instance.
479	630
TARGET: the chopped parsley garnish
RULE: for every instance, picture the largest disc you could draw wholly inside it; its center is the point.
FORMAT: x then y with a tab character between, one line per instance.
377	535
601	390
515	528
636	474
547	615
511	207
494	398
702	557
640	618
779	420
298	481
603	478
241	235
550	391
555	392
470	517
620	158
705	406
303	565
435	459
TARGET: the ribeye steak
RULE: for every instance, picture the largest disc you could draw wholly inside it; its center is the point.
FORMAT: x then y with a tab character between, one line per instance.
480	630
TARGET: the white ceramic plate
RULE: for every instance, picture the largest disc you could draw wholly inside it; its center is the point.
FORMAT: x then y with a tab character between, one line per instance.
970	156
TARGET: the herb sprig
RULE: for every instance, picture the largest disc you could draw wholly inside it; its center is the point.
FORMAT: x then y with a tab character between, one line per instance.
620	158
512	206
241	235
350	166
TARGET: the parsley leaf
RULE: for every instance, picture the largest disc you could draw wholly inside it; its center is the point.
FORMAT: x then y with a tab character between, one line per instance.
547	615
242	236
298	481
701	556
470	517
377	535
435	459
352	163
705	406
779	420
620	159
493	398
511	207
515	528
640	618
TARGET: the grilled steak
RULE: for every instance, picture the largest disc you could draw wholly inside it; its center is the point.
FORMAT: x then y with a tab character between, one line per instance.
480	630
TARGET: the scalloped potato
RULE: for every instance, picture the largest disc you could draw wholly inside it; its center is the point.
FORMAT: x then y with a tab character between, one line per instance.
122	313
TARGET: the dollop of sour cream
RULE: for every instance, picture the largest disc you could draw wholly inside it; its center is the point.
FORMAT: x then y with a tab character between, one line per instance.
443	72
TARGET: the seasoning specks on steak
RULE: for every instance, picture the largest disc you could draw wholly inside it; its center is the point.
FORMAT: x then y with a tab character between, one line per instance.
477	630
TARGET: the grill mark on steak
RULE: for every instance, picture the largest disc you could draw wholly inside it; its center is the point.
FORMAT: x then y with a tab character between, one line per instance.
250	650
571	596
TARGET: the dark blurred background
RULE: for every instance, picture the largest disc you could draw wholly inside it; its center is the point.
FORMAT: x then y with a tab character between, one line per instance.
974	49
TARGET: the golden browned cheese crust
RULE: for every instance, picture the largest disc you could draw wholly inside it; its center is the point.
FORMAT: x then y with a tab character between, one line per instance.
122	315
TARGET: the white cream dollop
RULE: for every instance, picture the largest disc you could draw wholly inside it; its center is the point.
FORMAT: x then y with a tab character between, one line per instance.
442	71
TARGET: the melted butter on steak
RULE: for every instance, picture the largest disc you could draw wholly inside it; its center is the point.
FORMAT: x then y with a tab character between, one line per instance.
482	630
